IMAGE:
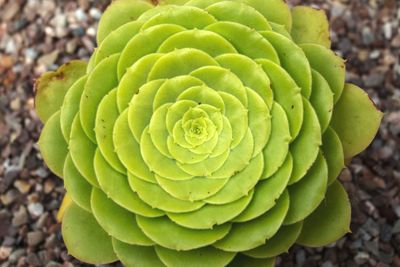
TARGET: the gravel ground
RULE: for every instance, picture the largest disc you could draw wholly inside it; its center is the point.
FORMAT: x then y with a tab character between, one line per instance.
39	35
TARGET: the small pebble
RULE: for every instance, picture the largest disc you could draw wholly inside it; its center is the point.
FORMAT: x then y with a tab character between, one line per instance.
5	252
22	186
34	238
35	209
20	217
361	258
16	255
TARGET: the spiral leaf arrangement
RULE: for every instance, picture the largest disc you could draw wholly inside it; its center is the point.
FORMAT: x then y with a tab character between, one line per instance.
203	133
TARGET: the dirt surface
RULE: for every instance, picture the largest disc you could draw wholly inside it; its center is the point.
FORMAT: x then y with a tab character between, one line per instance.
39	35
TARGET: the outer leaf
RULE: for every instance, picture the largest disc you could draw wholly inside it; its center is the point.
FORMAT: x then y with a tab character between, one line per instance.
279	243
322	100
84	238
135	256
97	86
310	26
329	65
333	152
67	200
52	145
119	13
356	120
117	40
293	60
116	221
51	87
77	186
305	147
244	261
240	13
116	186
82	152
330	221
70	107
274	10
306	195
207	256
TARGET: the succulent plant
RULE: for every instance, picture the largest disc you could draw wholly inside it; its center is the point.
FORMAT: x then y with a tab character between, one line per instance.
203	133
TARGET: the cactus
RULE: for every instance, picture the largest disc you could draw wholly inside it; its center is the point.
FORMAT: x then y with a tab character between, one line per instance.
203	133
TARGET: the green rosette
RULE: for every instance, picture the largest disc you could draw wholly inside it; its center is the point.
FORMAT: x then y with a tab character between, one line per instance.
203	133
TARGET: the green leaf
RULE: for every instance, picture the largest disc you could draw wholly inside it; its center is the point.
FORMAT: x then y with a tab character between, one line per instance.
116	41
117	221
286	94
306	146
330	221
273	10
156	197
210	215
356	120
52	145
277	148
267	192
279	243
194	189
119	13
245	261
207	256
180	62
135	77
240	13
209	42
306	195
77	186
128	150
107	114
250	73
240	184
116	186
134	256
84	238
247	41
248	235
51	87
82	152
96	87
170	235
70	106
321	99
333	153
145	43
329	65
310	25
186	16
293	60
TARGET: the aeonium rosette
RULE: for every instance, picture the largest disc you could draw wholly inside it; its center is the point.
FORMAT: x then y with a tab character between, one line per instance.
203	133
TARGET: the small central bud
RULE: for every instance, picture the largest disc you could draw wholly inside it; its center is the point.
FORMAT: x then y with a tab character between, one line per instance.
197	128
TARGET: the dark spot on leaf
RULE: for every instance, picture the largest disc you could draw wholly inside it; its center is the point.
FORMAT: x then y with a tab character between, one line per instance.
59	76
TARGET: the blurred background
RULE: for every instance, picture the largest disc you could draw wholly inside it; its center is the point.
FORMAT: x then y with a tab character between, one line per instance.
40	35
